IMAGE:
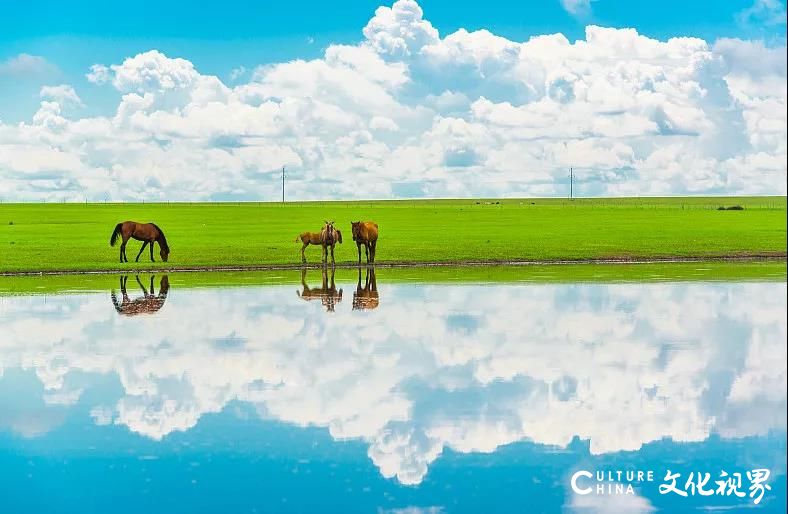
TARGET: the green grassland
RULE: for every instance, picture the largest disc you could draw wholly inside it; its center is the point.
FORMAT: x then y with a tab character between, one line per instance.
769	271
75	237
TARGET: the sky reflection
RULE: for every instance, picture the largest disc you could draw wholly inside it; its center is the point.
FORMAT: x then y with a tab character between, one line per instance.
429	372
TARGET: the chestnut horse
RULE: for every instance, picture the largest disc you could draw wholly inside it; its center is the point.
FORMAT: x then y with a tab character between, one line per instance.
327	237
366	298
366	233
148	233
149	303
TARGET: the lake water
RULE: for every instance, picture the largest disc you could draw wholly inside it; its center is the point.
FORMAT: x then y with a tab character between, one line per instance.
398	397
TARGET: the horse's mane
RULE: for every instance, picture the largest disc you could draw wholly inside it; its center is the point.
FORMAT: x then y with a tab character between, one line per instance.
162	238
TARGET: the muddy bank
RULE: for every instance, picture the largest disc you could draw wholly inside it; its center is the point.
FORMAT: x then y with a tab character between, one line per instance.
766	257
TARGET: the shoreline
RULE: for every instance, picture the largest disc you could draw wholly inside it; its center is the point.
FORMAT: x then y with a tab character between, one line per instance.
765	257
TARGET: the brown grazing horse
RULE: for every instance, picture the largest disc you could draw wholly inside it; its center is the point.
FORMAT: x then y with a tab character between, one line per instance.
149	303
366	298
327	293
148	233
320	238
365	233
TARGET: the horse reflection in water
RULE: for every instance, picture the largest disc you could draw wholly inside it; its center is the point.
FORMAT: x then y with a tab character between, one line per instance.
148	303
366	298
327	293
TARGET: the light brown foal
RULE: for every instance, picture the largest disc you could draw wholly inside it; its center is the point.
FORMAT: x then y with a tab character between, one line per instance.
327	237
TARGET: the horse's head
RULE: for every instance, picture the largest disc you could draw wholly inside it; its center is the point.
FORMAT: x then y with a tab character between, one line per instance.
355	228
328	231
164	253
164	286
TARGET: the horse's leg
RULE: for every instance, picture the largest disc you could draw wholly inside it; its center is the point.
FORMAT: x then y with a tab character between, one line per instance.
152	291
358	247
151	252
366	251
123	280
374	246
332	255
125	242
144	291
144	244
303	257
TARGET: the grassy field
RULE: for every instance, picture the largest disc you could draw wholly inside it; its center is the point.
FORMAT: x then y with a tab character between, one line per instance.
45	237
770	271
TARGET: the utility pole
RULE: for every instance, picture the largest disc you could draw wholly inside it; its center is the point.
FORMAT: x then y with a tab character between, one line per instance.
283	184
571	183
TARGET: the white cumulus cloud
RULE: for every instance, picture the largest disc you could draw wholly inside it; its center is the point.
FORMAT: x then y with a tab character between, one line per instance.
63	94
419	113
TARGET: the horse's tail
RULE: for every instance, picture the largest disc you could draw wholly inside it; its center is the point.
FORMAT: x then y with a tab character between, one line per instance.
115	234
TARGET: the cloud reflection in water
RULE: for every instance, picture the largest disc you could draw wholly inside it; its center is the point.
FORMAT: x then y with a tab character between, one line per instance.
466	367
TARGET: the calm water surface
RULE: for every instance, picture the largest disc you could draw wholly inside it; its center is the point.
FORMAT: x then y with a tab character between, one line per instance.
390	397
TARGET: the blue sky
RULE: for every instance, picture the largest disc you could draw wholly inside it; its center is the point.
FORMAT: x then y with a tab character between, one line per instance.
459	91
221	36
234	19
